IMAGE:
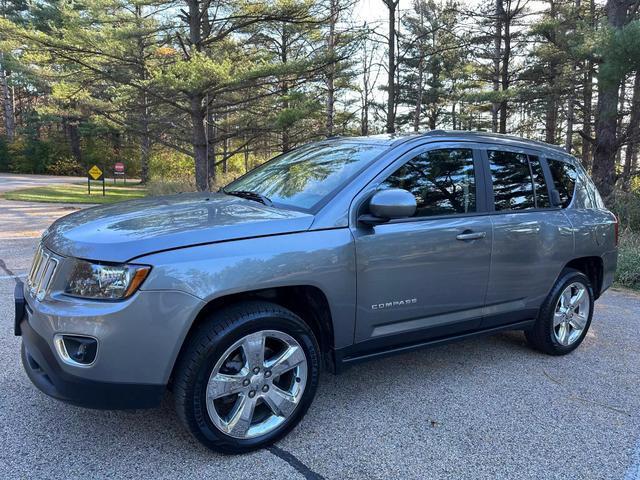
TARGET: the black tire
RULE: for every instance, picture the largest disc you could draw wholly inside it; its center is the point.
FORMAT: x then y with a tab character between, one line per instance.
542	336
205	347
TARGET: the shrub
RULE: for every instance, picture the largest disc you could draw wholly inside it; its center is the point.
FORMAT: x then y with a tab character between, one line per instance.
628	273
167	187
29	155
4	155
169	166
66	166
626	206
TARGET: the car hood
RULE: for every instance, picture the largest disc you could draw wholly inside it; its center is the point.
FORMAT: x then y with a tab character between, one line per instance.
120	232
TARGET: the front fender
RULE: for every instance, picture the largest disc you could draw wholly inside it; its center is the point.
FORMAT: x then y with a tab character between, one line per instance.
323	259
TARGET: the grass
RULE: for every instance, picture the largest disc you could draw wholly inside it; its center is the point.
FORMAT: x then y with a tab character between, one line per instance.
76	194
628	273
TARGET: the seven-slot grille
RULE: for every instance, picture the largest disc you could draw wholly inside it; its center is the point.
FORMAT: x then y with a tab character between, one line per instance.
42	271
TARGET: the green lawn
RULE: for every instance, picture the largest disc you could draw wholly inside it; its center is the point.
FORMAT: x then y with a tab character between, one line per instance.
76	194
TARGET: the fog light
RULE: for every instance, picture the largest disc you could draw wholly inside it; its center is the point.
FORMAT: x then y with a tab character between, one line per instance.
76	350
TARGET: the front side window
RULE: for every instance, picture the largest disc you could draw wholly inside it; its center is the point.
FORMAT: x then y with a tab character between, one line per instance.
442	181
564	180
304	177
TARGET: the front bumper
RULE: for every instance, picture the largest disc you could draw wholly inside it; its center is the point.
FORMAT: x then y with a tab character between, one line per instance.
44	372
138	342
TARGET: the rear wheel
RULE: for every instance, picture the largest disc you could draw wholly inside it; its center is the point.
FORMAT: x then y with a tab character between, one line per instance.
565	316
247	377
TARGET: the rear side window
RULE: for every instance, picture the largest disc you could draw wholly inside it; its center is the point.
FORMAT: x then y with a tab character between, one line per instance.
443	181
564	180
518	181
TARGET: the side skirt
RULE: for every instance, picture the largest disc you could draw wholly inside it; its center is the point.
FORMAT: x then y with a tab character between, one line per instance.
349	356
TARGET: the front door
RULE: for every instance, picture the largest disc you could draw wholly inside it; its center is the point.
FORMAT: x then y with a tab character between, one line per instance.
426	276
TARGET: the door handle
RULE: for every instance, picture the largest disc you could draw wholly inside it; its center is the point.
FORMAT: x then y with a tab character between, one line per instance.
469	235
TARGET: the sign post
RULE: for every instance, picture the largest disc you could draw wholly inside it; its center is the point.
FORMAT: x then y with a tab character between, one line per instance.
118	169
95	174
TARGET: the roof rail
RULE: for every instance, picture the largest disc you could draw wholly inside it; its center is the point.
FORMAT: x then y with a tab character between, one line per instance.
479	133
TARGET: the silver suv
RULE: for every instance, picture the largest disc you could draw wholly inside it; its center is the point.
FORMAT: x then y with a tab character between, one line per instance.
336	252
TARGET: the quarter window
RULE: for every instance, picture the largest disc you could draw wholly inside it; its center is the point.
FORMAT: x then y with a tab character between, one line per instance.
442	181
564	180
518	181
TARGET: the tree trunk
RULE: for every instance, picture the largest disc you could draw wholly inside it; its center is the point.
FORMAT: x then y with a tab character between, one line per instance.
506	58
74	140
212	133
71	131
606	124
453	116
571	99
366	75
286	141
145	140
7	97
246	157
391	88
551	116
418	108
606	144
632	134
197	111
199	141
623	95
497	56
587	100
145	152
331	68
225	152
145	117
568	141
551	120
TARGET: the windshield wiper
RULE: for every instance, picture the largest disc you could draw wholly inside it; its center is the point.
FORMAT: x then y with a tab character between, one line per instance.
256	197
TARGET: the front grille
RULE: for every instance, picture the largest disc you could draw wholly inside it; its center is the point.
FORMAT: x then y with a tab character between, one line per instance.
42	272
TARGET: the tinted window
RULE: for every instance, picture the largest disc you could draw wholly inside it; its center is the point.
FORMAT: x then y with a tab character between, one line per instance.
564	180
512	184
305	176
539	184
442	181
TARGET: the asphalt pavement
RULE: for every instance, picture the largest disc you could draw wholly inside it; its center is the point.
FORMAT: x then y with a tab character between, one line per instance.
14	181
484	408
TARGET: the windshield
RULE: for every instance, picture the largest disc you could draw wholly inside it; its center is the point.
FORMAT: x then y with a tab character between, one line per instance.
305	176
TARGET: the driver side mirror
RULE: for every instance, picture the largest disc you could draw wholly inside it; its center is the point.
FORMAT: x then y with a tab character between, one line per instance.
389	204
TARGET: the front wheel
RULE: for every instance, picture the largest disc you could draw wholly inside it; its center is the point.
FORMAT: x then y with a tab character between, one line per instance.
565	316
247	377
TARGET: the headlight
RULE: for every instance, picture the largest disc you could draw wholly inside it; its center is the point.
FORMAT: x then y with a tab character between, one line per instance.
108	282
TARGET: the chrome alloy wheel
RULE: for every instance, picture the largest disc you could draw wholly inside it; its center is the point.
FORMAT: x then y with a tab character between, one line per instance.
571	314
257	384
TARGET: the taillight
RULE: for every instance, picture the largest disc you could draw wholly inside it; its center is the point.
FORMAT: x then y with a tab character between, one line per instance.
616	229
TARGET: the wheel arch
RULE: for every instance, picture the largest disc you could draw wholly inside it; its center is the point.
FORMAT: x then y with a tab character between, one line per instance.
593	268
307	301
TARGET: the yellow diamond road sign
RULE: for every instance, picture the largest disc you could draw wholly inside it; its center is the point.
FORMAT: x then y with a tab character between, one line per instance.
95	172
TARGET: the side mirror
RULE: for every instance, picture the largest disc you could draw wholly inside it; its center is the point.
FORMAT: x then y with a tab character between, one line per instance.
388	204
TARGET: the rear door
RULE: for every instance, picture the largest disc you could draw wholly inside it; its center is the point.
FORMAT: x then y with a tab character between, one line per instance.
531	238
426	276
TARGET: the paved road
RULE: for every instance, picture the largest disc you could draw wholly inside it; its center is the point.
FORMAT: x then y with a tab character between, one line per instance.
484	408
13	181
